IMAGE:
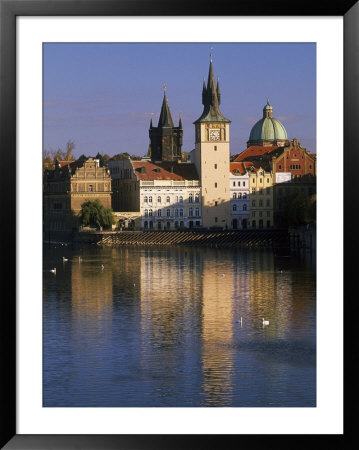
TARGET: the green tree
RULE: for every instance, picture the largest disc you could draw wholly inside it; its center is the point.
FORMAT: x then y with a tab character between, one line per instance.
300	209
120	156
102	158
82	158
93	213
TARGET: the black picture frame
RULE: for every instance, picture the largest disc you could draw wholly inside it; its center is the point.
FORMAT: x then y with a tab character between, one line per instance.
9	10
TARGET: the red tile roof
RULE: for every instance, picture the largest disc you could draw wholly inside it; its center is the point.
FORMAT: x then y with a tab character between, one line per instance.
240	166
255	150
148	171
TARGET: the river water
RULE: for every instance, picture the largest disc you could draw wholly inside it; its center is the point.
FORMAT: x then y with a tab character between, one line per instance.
178	327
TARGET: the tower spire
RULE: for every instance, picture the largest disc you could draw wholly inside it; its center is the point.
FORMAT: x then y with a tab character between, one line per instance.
165	119
211	97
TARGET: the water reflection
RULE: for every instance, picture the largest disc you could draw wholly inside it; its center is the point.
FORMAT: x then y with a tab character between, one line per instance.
161	327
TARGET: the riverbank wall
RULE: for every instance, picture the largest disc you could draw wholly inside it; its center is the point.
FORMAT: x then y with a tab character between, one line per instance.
198	238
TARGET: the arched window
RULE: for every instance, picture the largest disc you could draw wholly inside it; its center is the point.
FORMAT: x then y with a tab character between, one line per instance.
168	212
234	208
146	212
159	213
244	196
190	198
181	212
196	198
181	199
197	212
159	199
239	195
176	212
145	199
190	212
150	213
244	207
150	199
234	195
168	199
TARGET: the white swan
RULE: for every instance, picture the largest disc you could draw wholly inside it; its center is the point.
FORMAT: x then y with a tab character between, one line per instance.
265	322
53	270
64	259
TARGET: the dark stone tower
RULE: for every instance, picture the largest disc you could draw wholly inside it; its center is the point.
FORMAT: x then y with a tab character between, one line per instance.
166	139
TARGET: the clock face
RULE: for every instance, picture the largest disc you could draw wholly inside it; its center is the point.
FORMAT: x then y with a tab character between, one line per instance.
214	135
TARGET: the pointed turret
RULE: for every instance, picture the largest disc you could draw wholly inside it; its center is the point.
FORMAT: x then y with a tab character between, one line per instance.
218	92
211	100
204	92
165	119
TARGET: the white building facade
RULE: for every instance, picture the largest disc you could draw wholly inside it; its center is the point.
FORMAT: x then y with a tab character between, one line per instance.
239	192
160	193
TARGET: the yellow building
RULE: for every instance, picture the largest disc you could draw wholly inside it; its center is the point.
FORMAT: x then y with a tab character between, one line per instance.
261	198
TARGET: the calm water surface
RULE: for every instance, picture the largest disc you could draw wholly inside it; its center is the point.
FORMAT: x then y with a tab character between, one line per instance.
162	327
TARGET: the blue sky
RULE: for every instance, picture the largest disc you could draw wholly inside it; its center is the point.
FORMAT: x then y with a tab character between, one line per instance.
101	96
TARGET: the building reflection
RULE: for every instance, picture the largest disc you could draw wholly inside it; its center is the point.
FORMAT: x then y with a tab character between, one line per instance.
91	310
186	321
91	291
169	312
216	332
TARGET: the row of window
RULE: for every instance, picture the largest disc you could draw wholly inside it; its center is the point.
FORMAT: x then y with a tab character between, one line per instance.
260	191
239	183
240	195
178	199
260	203
235	208
260	224
244	208
149	224
260	213
178	212
260	180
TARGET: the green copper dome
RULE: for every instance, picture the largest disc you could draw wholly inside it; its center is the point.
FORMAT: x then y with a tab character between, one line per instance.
268	128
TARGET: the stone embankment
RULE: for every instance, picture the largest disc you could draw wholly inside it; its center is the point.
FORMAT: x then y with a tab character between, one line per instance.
215	239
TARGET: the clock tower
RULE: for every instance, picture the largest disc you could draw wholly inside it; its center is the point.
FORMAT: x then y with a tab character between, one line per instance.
211	156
